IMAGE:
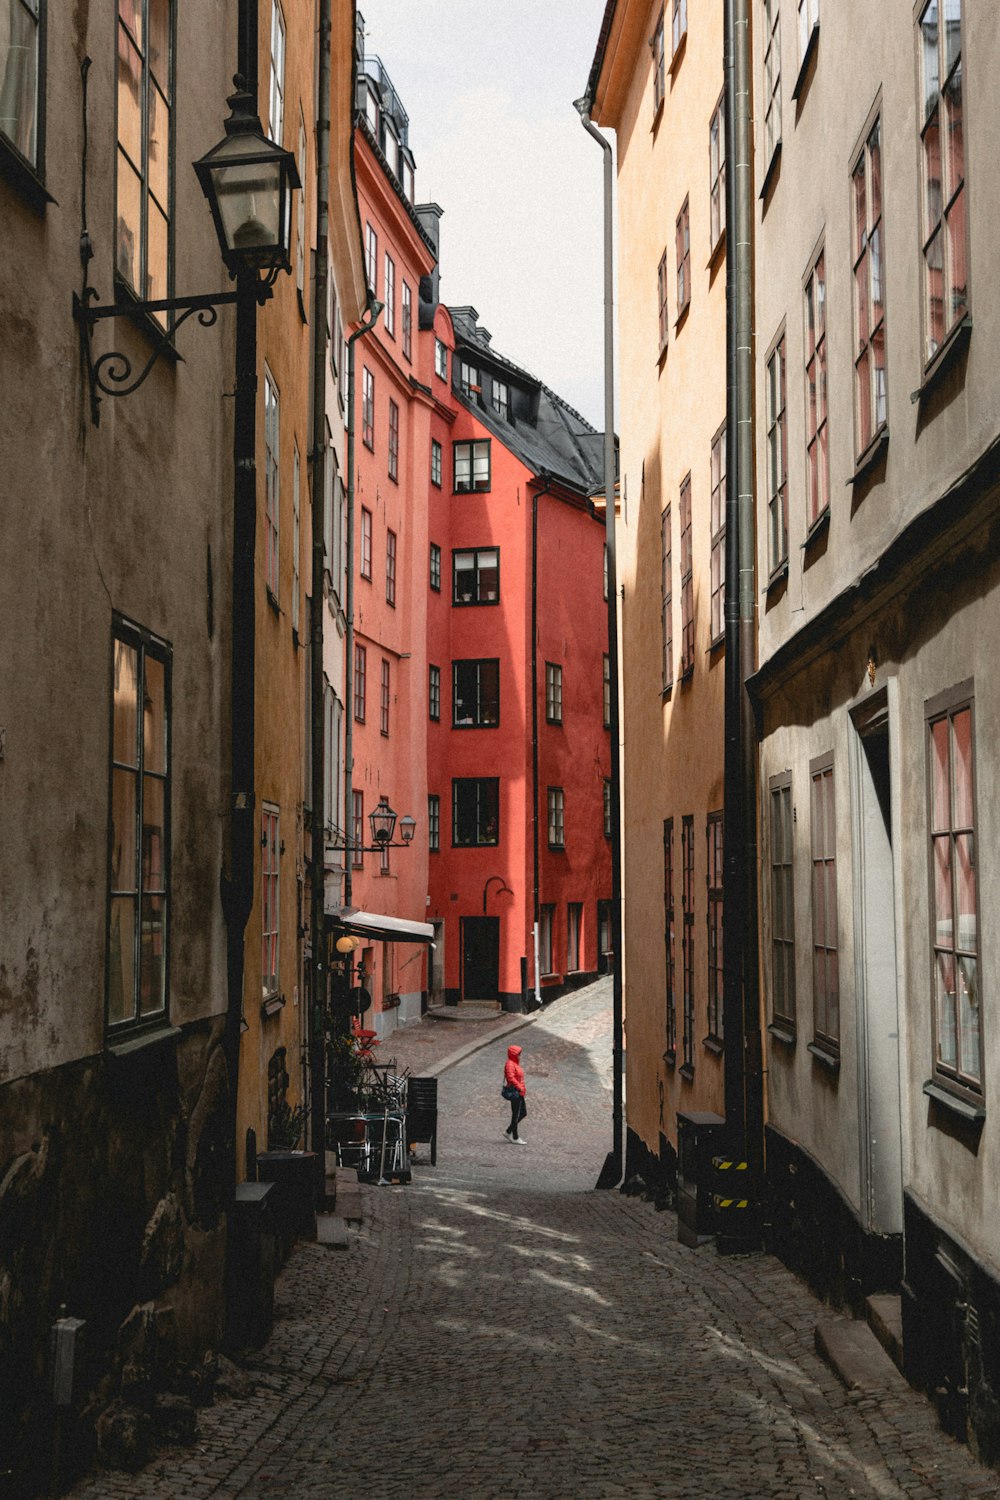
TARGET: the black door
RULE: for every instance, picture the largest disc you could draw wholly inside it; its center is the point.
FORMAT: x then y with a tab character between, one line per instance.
480	958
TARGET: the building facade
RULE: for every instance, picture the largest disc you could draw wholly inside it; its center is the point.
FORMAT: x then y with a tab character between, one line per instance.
877	688
657	82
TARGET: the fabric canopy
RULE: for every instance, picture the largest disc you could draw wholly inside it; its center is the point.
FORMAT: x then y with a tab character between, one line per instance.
387	929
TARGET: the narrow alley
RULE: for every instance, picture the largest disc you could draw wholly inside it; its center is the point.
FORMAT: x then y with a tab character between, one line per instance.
498	1329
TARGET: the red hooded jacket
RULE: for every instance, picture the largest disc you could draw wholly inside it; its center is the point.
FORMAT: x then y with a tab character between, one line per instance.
512	1070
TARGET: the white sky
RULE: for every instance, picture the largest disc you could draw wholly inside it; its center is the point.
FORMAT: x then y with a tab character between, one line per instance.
489	88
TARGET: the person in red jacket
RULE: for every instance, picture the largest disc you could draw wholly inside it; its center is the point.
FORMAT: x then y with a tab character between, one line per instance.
513	1083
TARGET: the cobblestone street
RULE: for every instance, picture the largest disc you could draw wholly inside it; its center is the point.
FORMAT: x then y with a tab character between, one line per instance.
498	1329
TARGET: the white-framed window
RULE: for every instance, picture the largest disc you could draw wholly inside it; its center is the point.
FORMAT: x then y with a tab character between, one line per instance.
22	68
296	534
270	920
393	461
657	43
826	979
272	482
772	78
144	182
717	622
817	453
717	173
371	258
368	408
870	381
553	692
469	380
440	360
276	105
777	458
389	296
435	463
556	801
366	543
943	230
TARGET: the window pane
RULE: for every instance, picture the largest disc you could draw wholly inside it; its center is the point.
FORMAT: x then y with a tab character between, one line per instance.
946	1039
952	32
965	892
932	172
126	667
127	234
152	955
159	147
489	575
154	717
123	814
929	54
121	960
154	875
130	99
968	1016
942	891
962	768
956	260
159	41
939	775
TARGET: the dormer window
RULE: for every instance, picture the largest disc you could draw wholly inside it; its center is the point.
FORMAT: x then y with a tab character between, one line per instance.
390	148
469	381
501	399
406	176
440	360
371	112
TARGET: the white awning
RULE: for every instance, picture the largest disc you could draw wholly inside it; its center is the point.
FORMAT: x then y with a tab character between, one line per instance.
384	928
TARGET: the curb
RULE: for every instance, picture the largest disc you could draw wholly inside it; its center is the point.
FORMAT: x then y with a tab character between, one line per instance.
516	1023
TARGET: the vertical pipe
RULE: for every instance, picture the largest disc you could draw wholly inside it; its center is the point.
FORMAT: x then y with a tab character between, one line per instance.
611	1173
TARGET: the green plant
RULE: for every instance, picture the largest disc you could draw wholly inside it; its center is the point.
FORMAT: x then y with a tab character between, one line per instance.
285	1126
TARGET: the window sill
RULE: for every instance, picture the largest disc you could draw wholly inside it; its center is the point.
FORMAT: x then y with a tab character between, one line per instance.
667	693
686	1070
778	577
661	358
953	347
678	56
670	1057
714	1044
272	1005
146	324
657	117
816	530
782	1034
964	1108
18	171
682	317
716	644
153	1038
718	252
272	600
302	306
823	1055
807	58
556	723
771	173
871	458
557	848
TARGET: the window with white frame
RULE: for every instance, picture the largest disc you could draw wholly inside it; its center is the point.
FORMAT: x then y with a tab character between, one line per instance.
826	979
717	173
371	258
368	408
553	693
440	360
434	693
870	388
574	921
556	802
22	68
782	912
389	295
139	865
943	237
384	699
393	442
390	568
469	380
956	975
657	43
276	106
687	580
713	833
360	680
434	823
718	543
296	535
144	184
772	78
546	918
366	543
817	454
471	466
435	463
666	600
271	481
683	247
270	906
406	318
662	276
777	459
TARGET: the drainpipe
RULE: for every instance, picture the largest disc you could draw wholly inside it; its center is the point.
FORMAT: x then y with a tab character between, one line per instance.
536	910
743	1065
611	1172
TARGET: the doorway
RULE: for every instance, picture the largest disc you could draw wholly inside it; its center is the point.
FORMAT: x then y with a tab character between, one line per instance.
876	885
436	967
480	958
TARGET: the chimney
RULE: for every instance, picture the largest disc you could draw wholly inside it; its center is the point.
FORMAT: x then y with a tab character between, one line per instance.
429	217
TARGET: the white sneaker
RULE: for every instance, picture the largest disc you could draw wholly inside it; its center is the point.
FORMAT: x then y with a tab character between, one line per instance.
518	1140
507	1135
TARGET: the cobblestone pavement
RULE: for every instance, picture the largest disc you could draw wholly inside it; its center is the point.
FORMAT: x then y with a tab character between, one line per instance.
499	1330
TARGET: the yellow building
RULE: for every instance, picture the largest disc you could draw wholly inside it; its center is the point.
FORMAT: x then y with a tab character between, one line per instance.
657	81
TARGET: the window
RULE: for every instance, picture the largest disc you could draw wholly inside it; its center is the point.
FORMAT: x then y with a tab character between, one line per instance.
407	320
869	305
22	68
360	680
271	482
808	22
574	917
946	299
717	173
366	543
557	812
687	581
777	459
658	47
476	576
390	568
435	567
469	380
475	811
687	937
782	903
357	830
772	78
144	189
371	258
606	696
668	934
553	693
300	221
713	833
139	871
384	699
826	985
434	824
270	900
679	25
683	261
607	808
435	463
472	466
434	693
817	455
661	298
546	918
296	535
440	360
475	694
666	600
718	557
276	108
501	398
389	294
368	408
958	1039
393	442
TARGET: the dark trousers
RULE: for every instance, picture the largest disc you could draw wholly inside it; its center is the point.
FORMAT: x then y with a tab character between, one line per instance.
517	1112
